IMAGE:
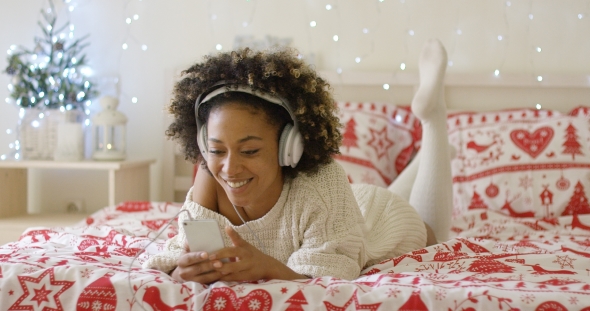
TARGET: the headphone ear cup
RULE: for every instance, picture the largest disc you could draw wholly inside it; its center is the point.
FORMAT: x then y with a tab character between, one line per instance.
202	139
283	145
290	146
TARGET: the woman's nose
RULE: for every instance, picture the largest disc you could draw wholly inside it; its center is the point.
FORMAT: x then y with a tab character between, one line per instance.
232	164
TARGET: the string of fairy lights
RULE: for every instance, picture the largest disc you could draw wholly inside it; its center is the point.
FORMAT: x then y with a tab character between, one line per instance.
367	31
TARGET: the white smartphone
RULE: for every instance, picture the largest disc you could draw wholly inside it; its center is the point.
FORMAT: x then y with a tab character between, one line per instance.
203	235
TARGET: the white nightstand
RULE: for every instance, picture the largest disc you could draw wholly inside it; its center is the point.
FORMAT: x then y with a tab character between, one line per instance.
127	180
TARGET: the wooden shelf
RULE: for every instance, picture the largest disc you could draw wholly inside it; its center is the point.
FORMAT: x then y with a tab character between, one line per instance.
127	180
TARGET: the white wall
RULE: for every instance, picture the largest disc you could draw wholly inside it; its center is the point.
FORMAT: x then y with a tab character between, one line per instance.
179	32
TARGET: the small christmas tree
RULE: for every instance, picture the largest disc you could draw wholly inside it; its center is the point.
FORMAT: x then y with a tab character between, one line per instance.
50	75
349	136
578	203
477	202
571	144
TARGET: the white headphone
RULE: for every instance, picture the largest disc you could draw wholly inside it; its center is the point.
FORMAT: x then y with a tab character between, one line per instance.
290	141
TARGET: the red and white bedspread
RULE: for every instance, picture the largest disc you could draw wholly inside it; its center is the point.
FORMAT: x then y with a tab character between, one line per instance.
495	262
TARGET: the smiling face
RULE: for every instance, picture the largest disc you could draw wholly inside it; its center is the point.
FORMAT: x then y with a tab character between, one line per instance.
243	156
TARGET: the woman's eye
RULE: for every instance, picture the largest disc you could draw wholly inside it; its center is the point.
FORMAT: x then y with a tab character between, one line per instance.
213	151
250	152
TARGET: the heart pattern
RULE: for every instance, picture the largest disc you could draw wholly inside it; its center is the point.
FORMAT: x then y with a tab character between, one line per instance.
225	299
532	143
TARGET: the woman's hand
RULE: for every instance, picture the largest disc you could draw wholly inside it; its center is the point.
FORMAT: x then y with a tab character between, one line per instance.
196	267
249	263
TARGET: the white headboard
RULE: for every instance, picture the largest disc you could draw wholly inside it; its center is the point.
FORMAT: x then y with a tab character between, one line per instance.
475	92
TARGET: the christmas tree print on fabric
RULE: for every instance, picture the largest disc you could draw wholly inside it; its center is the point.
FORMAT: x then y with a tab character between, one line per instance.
477	202
349	138
296	301
571	144
578	203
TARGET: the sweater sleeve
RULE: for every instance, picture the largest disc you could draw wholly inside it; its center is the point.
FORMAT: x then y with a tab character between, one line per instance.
166	261
331	227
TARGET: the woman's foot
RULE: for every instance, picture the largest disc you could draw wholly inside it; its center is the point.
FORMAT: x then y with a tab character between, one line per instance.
432	65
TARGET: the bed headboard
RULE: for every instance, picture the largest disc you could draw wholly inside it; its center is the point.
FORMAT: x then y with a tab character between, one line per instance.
474	92
471	92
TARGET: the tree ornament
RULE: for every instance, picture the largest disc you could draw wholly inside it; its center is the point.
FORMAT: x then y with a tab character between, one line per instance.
492	190
562	183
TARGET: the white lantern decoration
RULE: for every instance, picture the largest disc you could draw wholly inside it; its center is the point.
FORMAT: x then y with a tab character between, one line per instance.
109	131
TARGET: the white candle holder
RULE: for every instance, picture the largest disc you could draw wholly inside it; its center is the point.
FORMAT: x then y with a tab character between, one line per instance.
109	131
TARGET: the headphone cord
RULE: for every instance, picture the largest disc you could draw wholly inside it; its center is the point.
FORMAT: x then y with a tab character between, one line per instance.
260	245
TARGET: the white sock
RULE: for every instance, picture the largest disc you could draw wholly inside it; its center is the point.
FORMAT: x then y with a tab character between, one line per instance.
431	193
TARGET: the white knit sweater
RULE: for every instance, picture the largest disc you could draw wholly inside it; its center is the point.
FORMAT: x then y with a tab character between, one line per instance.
316	227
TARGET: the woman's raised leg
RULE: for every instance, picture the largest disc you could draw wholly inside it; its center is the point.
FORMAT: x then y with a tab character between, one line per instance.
431	190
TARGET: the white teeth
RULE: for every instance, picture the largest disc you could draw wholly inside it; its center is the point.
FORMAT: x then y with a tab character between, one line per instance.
237	184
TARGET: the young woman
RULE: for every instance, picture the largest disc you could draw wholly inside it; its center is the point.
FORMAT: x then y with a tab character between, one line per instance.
263	126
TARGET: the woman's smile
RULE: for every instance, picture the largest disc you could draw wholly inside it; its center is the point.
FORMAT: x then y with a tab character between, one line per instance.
237	184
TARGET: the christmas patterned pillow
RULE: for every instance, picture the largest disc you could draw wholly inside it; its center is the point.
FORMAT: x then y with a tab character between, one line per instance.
378	141
523	163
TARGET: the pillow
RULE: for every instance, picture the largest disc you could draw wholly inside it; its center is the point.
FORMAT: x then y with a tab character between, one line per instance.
378	141
521	162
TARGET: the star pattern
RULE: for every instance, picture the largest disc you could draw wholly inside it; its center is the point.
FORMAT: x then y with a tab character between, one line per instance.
41	293
380	142
564	261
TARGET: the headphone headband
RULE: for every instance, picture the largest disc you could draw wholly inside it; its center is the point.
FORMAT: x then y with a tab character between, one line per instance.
224	87
290	141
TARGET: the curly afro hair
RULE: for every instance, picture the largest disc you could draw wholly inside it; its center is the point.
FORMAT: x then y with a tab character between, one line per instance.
278	72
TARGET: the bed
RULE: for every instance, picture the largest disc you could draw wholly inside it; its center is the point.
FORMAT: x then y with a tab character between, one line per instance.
520	237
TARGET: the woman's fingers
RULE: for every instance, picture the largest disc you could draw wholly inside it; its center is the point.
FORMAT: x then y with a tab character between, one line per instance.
235	237
197	267
188	259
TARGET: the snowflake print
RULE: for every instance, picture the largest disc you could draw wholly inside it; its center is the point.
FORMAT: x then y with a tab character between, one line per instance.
332	290
29	270
573	300
525	182
254	304
441	294
96	305
527	298
219	304
439	249
393	292
564	261
86	273
240	289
